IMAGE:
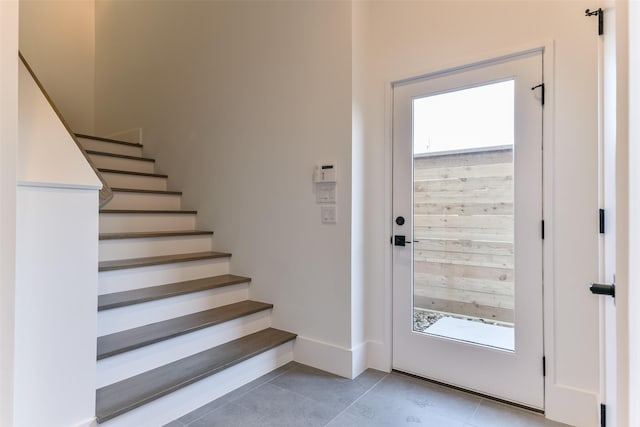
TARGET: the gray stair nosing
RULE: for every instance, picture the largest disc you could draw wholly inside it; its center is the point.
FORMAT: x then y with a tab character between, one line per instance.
233	280
159	260
286	337
259	307
152	234
149	174
141	190
121	156
114	141
148	211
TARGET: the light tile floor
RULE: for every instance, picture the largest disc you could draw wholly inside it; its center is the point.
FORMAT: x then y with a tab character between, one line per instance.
297	395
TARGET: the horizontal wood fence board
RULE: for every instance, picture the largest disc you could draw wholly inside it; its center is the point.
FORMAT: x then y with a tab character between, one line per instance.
460	282
485	234
469	271
485	286
465	309
466	295
489	184
464	246
464	159
471	171
479	221
470	197
479	260
463	208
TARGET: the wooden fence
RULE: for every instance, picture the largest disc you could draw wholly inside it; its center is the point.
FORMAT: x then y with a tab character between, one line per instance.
463	224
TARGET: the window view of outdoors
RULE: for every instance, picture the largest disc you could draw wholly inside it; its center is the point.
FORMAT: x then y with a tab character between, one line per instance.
463	215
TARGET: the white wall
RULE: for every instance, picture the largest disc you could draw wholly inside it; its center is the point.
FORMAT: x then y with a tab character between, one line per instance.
56	256
628	211
57	38
239	100
411	38
634	212
8	153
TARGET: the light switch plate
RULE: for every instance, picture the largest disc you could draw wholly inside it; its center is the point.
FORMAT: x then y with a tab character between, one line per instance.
328	214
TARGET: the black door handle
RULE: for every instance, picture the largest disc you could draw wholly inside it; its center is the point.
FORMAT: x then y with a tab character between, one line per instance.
603	289
400	240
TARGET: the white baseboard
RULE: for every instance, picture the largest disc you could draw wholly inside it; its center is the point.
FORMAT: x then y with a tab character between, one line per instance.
342	361
322	355
378	356
90	422
572	406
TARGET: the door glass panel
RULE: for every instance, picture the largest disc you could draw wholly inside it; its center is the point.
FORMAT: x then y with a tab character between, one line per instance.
463	251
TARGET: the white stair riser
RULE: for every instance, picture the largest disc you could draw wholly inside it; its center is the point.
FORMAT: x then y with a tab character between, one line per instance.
148	201
181	402
119	180
120	223
118	163
123	318
110	147
134	362
135	278
138	248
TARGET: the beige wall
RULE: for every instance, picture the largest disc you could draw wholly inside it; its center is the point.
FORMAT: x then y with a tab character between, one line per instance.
239	100
57	38
8	155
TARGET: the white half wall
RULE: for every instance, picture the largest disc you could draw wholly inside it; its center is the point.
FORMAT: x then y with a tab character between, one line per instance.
8	155
56	255
57	38
47	153
56	317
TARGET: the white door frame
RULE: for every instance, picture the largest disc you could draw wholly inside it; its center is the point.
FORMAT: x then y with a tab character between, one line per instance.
492	371
561	401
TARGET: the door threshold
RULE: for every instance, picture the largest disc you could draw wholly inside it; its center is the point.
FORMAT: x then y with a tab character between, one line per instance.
475	393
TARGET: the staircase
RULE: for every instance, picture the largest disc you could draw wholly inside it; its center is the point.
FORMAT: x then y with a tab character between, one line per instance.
175	329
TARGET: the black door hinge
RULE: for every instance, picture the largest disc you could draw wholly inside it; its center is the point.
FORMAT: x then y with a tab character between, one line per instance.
542	230
603	415
544	366
600	16
541	86
601	219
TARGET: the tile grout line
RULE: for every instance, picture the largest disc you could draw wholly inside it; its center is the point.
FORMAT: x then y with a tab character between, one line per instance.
232	400
356	401
475	411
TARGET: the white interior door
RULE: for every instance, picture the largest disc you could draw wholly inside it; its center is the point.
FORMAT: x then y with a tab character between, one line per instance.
467	205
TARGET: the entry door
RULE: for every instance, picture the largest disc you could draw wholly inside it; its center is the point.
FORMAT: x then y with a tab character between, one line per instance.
467	212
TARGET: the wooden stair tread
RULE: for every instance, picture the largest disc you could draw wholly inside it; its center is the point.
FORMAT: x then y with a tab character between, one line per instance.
139	190
120	342
123	396
153	175
147	211
121	156
115	141
137	296
121	264
149	234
